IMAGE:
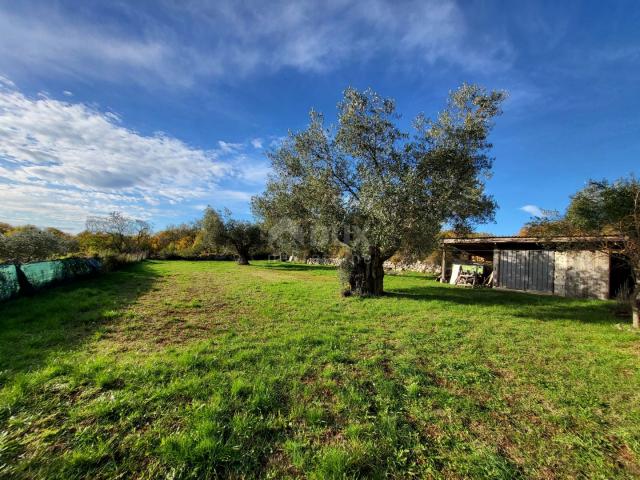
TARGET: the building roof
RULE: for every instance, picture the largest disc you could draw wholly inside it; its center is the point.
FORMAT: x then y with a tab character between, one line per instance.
542	240
483	246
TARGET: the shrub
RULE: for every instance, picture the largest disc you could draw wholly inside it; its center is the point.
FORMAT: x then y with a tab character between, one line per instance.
29	244
115	261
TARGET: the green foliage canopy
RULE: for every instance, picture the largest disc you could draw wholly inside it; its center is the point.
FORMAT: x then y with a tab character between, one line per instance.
220	230
371	185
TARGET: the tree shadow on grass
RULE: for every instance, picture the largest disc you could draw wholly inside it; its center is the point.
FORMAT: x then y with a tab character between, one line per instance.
296	267
522	305
60	318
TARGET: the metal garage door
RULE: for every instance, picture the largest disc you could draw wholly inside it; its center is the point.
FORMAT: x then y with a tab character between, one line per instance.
531	270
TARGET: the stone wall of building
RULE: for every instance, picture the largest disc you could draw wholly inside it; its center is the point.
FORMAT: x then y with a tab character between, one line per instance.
581	274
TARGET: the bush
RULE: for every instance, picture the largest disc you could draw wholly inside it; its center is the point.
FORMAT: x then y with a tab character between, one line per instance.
115	261
30	244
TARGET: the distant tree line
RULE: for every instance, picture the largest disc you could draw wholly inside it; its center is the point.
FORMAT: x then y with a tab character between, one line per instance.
116	235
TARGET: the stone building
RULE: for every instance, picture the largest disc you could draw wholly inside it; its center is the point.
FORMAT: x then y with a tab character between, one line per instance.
582	267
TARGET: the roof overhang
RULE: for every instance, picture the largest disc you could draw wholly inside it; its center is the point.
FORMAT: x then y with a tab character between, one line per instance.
483	245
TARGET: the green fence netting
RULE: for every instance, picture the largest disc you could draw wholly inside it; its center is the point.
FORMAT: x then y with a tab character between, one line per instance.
42	274
8	282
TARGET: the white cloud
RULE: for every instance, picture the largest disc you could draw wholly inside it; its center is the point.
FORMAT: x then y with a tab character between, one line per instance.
228	147
61	161
250	170
6	82
256	143
533	210
229	39
67	93
46	40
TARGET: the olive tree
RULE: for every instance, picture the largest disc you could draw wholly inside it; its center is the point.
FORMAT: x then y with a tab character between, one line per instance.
222	231
291	234
376	189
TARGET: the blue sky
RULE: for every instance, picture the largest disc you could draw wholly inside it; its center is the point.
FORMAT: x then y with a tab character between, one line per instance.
159	108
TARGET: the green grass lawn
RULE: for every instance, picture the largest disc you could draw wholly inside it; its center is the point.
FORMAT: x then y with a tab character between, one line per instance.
209	370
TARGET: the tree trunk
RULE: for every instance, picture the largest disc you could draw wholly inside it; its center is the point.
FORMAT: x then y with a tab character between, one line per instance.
25	288
635	306
243	257
366	277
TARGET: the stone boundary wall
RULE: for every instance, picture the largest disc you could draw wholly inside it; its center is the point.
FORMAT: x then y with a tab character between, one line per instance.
418	266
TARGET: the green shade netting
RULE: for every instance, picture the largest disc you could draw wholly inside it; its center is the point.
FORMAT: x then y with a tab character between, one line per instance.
42	274
8	281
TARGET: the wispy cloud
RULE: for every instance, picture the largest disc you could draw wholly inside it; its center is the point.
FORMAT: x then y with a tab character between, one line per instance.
533	210
45	40
4	81
228	39
62	161
228	147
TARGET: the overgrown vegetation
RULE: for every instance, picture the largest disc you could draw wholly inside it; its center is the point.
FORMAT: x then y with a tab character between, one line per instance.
29	243
208	369
121	234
